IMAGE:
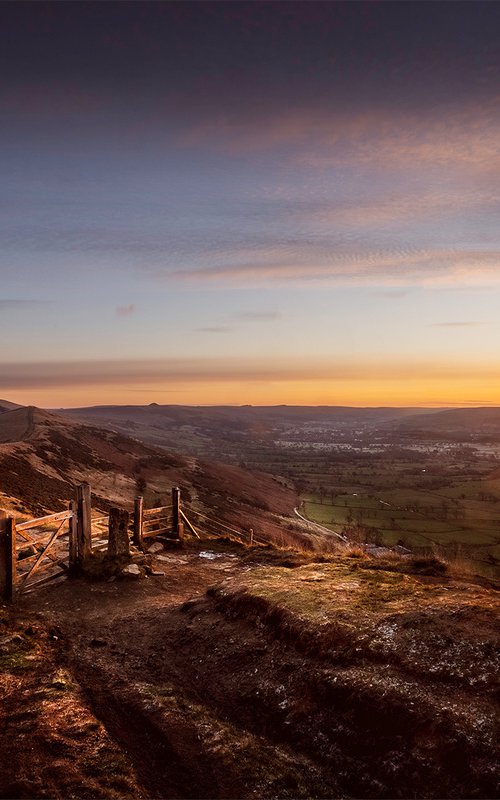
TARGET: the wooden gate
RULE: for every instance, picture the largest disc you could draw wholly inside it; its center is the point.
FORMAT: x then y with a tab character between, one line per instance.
36	546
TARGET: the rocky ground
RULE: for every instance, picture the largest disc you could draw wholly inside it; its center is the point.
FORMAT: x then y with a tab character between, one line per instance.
247	674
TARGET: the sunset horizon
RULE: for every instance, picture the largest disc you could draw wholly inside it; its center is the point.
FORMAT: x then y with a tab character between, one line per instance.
259	203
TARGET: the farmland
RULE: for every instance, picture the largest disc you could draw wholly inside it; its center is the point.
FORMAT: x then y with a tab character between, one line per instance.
427	481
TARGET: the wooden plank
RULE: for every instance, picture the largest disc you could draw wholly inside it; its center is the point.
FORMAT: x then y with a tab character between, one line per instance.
42	555
138	522
8	562
151	511
152	534
190	526
34	523
84	529
32	586
156	520
55	561
176	504
39	549
73	536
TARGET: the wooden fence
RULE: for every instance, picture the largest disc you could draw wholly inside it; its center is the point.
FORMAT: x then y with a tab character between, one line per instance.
58	545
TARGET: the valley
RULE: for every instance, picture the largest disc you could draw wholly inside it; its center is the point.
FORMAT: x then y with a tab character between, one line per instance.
287	662
428	481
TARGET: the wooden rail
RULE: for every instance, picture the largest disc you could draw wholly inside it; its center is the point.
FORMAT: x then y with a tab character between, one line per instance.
16	568
77	528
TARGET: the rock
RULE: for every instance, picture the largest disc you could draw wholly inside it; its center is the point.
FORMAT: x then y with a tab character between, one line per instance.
131	571
156	573
173	559
118	537
156	547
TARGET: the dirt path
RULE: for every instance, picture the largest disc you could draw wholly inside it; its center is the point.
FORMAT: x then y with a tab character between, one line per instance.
130	646
204	700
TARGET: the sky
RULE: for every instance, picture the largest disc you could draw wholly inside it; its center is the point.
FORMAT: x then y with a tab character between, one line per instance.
211	203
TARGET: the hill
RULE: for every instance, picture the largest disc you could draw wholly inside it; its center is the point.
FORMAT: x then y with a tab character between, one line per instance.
228	431
224	670
6	405
43	455
459	423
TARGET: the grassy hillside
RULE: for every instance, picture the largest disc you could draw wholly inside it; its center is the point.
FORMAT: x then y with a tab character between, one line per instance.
43	456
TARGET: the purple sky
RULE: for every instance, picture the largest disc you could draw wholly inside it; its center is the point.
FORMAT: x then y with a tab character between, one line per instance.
250	202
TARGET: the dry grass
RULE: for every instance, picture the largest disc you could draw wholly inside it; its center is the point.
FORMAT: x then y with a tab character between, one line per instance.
356	552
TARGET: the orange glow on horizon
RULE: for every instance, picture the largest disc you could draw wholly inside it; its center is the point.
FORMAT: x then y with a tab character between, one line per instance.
363	393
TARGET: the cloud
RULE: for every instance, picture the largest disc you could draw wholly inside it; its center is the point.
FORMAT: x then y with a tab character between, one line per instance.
349	265
215	329
125	311
322	137
393	294
8	304
259	316
130	373
399	208
456	324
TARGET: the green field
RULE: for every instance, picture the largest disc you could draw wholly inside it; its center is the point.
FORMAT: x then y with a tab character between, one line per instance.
422	519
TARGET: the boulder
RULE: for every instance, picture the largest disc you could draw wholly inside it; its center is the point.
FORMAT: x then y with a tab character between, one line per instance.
131	571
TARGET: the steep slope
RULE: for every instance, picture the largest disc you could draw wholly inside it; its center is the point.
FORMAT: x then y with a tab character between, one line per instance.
6	405
43	455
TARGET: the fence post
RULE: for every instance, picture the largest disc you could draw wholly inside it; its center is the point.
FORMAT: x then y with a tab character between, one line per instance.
8	563
73	535
118	541
84	529
176	506
138	521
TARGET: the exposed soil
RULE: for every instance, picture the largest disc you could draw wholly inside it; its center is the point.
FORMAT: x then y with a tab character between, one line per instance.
289	677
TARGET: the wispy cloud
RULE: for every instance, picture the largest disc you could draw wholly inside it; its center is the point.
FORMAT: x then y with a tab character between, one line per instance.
393	294
259	316
456	324
229	369
351	265
320	137
13	304
399	208
125	311
215	329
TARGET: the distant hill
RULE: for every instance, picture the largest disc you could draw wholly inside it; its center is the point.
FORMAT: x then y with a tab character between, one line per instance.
218	431
484	421
246	413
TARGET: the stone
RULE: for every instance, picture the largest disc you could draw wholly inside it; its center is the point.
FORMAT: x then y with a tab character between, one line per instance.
156	547
173	559
131	571
118	538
